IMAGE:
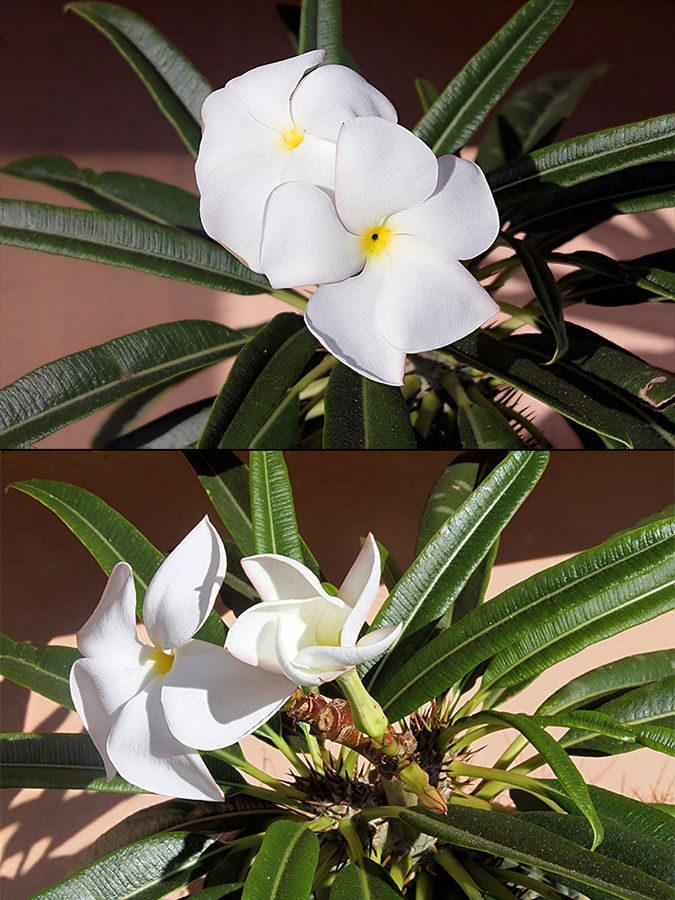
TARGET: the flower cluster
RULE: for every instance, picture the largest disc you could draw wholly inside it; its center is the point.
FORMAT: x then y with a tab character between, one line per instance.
149	708
305	175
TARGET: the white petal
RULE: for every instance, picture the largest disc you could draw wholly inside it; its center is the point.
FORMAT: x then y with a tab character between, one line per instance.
279	578
266	91
99	690
183	590
110	632
313	161
332	95
230	133
304	242
144	751
460	219
380	168
334	661
429	300
233	202
212	700
342	317
359	590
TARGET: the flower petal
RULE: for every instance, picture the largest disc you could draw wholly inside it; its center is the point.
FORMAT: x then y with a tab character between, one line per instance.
211	699
99	690
144	751
359	590
304	242
334	661
313	161
342	317
110	632
331	95
429	300
183	590
460	219
279	578
233	202
380	168
266	90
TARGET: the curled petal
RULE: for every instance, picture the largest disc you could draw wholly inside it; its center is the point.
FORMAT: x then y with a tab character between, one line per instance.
213	700
99	690
144	751
342	317
380	168
304	242
266	91
183	590
279	578
359	590
110	632
429	300
460	219
329	662
233	201
332	95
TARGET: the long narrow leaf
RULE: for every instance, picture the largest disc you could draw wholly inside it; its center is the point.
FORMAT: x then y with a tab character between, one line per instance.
178	429
321	28
114	192
125	241
285	865
636	562
75	386
467	100
44	670
655	272
364	415
173	82
366	881
275	529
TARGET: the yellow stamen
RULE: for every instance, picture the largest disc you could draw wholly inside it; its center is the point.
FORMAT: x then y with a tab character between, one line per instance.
293	138
162	661
376	239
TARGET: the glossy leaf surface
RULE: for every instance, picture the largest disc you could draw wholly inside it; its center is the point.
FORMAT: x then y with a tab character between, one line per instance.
275	529
285	864
45	670
321	28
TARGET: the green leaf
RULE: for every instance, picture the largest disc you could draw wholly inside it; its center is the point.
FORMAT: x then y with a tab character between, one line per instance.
584	205
110	539
426	92
654	272
45	670
147	869
463	106
482	426
125	241
440	571
535	113
598	384
75	386
579	159
175	430
456	482
321	29
546	291
114	192
509	836
589	689
275	529
605	587
256	406
173	82
225	478
567	773
361	414
72	762
366	881
632	596
285	865
641	708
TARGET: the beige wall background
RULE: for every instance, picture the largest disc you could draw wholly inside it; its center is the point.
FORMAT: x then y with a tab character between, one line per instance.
68	92
50	585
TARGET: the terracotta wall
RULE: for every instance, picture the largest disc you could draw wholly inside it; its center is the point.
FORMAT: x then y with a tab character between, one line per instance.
51	585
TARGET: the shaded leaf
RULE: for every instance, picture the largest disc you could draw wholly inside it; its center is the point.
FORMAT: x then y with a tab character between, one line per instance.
366	881
45	670
176	430
285	865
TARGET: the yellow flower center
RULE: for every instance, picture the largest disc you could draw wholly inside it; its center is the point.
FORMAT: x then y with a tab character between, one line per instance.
375	240
293	138
162	660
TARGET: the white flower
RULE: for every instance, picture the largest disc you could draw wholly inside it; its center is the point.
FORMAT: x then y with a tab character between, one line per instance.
271	125
148	707
400	222
302	632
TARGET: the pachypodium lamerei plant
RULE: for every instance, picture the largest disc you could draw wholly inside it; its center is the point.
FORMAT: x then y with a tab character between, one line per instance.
306	177
379	724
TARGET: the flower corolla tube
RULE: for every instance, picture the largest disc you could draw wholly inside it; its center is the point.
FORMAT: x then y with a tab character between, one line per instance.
148	708
273	124
302	632
384	248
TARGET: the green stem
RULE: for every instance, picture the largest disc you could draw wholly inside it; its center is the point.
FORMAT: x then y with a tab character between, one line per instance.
424	885
517	312
491	776
281	744
515	747
446	860
326	364
314	749
422	419
245	766
293	298
348	831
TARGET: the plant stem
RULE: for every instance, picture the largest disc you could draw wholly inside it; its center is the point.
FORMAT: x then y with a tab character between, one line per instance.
314	749
281	744
348	831
491	776
245	766
458	873
293	298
